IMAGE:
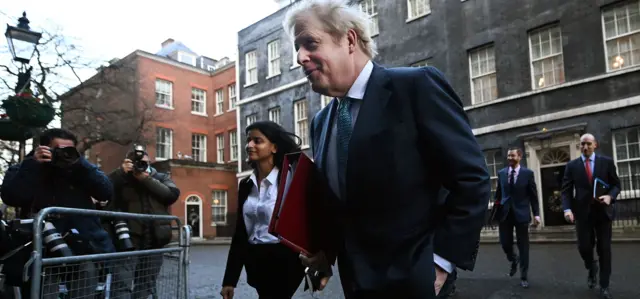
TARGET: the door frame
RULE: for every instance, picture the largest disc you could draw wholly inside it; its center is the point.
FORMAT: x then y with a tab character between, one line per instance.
535	149
188	203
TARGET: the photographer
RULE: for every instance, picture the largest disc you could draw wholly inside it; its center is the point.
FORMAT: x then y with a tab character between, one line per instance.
55	174
139	188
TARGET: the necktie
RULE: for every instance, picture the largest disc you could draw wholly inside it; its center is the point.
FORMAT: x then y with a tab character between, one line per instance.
512	178
587	166
344	135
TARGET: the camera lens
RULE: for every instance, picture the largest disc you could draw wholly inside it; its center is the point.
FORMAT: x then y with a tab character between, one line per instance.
122	233
54	241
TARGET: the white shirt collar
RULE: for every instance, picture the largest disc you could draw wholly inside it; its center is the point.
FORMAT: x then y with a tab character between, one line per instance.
517	169
271	178
360	85
591	158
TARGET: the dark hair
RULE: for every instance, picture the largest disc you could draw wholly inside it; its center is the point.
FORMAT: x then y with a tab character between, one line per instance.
48	135
277	135
516	149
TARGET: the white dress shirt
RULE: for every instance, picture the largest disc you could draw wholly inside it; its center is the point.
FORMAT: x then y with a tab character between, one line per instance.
515	175
357	92
258	208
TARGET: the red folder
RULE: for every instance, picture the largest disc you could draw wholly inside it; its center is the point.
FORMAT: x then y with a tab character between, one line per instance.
292	221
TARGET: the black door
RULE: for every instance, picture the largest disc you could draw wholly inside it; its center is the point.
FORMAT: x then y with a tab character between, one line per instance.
551	186
193	219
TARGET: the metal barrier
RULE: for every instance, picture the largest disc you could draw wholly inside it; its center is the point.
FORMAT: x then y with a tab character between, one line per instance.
161	273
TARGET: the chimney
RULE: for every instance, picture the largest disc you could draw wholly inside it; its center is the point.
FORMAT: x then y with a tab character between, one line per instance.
167	42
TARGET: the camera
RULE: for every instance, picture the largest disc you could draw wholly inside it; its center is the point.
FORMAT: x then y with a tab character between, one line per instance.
54	242
63	157
124	242
139	165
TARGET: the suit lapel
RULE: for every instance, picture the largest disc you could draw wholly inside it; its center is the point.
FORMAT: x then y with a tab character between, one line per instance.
582	170
371	117
325	134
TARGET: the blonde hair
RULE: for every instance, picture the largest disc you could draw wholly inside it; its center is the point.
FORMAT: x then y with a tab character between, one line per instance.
337	17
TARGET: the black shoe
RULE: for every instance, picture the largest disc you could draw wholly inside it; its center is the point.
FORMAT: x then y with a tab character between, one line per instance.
593	275
514	267
524	283
605	293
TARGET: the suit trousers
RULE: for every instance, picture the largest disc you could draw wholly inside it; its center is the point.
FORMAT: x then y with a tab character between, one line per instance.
393	290
274	270
505	230
595	231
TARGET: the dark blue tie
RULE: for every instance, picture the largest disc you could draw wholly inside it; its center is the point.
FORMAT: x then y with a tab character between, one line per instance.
344	135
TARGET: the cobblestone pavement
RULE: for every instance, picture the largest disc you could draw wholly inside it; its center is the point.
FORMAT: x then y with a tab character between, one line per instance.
556	271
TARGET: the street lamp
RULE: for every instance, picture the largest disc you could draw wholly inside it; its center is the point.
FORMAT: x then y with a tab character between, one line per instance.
22	41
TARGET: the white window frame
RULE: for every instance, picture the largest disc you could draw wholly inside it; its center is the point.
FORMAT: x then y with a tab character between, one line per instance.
411	15
324	101
370	8
273	55
251	68
486	49
232	96
251	119
275	115
161	91
195	98
552	57
233	145
221	197
495	166
211	68
620	63
633	191
199	147
220	148
168	145
182	55
301	122
422	63
219	101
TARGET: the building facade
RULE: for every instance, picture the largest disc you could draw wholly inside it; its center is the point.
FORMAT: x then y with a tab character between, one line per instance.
535	74
188	102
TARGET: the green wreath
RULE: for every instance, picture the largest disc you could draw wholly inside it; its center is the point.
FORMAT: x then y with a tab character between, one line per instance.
26	110
10	131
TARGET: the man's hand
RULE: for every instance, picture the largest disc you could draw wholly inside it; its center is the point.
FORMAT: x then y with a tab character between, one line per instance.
227	292
318	262
536	221
441	278
127	166
605	199
42	154
568	216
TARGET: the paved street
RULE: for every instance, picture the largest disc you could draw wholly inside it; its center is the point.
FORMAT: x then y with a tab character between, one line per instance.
556	272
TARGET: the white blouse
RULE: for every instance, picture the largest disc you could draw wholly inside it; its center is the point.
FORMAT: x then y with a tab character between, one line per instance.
258	208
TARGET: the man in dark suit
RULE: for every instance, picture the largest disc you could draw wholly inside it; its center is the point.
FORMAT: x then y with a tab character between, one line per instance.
592	216
515	193
386	144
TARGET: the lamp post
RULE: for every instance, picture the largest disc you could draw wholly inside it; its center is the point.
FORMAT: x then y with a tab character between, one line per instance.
22	45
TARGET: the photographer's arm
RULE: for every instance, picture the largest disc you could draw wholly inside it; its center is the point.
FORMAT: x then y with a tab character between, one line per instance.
93	180
20	183
163	187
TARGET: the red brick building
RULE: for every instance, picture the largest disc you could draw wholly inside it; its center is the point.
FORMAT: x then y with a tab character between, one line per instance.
184	105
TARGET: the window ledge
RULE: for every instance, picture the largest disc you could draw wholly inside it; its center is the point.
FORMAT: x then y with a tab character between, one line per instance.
164	107
232	109
304	147
295	66
250	84
199	114
218	114
272	76
409	20
218	224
